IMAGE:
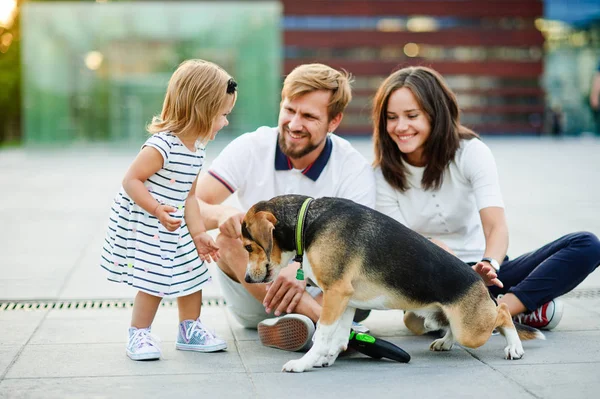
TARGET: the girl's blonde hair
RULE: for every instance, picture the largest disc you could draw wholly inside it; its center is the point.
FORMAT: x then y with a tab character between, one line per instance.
307	78
197	92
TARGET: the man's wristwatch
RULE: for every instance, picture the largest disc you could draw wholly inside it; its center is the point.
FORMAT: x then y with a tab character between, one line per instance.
492	262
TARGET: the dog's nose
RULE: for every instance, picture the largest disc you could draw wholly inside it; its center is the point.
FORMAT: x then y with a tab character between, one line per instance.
248	279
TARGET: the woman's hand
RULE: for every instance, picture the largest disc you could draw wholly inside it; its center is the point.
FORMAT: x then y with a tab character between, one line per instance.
162	214
488	274
208	251
495	231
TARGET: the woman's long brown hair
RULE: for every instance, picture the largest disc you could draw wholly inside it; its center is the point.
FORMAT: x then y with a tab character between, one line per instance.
439	104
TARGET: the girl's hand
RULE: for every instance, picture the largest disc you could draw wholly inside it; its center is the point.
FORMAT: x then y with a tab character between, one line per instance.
162	214
488	274
207	249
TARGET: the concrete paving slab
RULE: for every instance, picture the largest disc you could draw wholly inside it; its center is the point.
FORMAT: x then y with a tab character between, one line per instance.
110	326
349	380
103	360
16	328
589	306
556	381
578	318
7	355
81	330
225	386
240	333
559	347
31	288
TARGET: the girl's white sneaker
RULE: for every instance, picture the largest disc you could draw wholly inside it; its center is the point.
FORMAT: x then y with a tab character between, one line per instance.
143	345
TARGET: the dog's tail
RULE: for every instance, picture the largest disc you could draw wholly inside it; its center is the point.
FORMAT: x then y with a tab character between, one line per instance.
526	333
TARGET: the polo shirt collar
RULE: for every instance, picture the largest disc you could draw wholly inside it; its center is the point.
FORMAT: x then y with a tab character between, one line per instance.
312	171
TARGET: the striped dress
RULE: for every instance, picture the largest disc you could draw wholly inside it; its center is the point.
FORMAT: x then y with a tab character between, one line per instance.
138	250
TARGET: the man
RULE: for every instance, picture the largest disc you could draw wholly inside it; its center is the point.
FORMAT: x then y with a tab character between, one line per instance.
300	156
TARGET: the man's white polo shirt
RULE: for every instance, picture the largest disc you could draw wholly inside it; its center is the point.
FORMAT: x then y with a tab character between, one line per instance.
255	167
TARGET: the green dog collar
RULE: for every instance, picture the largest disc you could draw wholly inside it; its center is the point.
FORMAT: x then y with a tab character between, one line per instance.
300	237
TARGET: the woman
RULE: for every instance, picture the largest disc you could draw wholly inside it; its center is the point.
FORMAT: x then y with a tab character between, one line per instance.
436	177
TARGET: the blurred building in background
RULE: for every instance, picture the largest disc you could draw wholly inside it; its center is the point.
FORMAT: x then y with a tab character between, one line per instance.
98	72
571	30
489	51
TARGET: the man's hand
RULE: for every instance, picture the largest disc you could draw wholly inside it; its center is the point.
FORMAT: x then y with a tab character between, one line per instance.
488	274
232	226
285	291
207	248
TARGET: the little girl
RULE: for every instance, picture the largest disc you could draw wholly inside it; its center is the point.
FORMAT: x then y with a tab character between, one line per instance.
148	244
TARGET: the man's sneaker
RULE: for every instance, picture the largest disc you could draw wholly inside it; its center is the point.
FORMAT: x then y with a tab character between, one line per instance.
142	344
292	332
193	336
545	317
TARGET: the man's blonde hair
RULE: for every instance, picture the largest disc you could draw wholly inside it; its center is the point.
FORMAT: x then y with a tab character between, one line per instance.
197	92
307	78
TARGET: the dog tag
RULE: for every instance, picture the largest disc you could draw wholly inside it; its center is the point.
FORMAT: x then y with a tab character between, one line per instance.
300	274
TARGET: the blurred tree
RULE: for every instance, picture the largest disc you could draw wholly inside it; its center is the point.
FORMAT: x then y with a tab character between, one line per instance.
10	80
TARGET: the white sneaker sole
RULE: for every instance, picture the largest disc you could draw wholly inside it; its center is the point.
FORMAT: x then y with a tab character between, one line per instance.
197	348
291	332
143	356
558	311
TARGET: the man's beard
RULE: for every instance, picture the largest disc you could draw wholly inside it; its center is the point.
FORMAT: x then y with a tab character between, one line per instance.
295	153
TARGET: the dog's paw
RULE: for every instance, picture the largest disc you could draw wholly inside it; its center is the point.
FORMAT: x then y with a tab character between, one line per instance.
441	344
295	366
514	352
323	361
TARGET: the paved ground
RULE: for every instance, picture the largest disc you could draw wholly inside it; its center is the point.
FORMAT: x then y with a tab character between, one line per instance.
53	209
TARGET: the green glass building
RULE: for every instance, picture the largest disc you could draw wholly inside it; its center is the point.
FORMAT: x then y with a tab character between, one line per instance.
99	71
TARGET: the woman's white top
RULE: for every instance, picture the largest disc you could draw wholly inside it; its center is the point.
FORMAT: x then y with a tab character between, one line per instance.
451	213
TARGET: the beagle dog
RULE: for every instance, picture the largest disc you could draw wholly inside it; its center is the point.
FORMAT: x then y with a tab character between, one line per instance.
364	259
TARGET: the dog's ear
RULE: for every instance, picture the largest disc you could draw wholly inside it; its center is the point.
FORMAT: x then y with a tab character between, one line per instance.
262	230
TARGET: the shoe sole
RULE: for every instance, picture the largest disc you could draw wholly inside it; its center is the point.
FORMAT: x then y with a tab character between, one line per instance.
558	310
195	348
289	334
144	356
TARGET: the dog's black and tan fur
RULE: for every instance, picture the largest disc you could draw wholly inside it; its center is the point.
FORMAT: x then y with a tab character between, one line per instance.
362	258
